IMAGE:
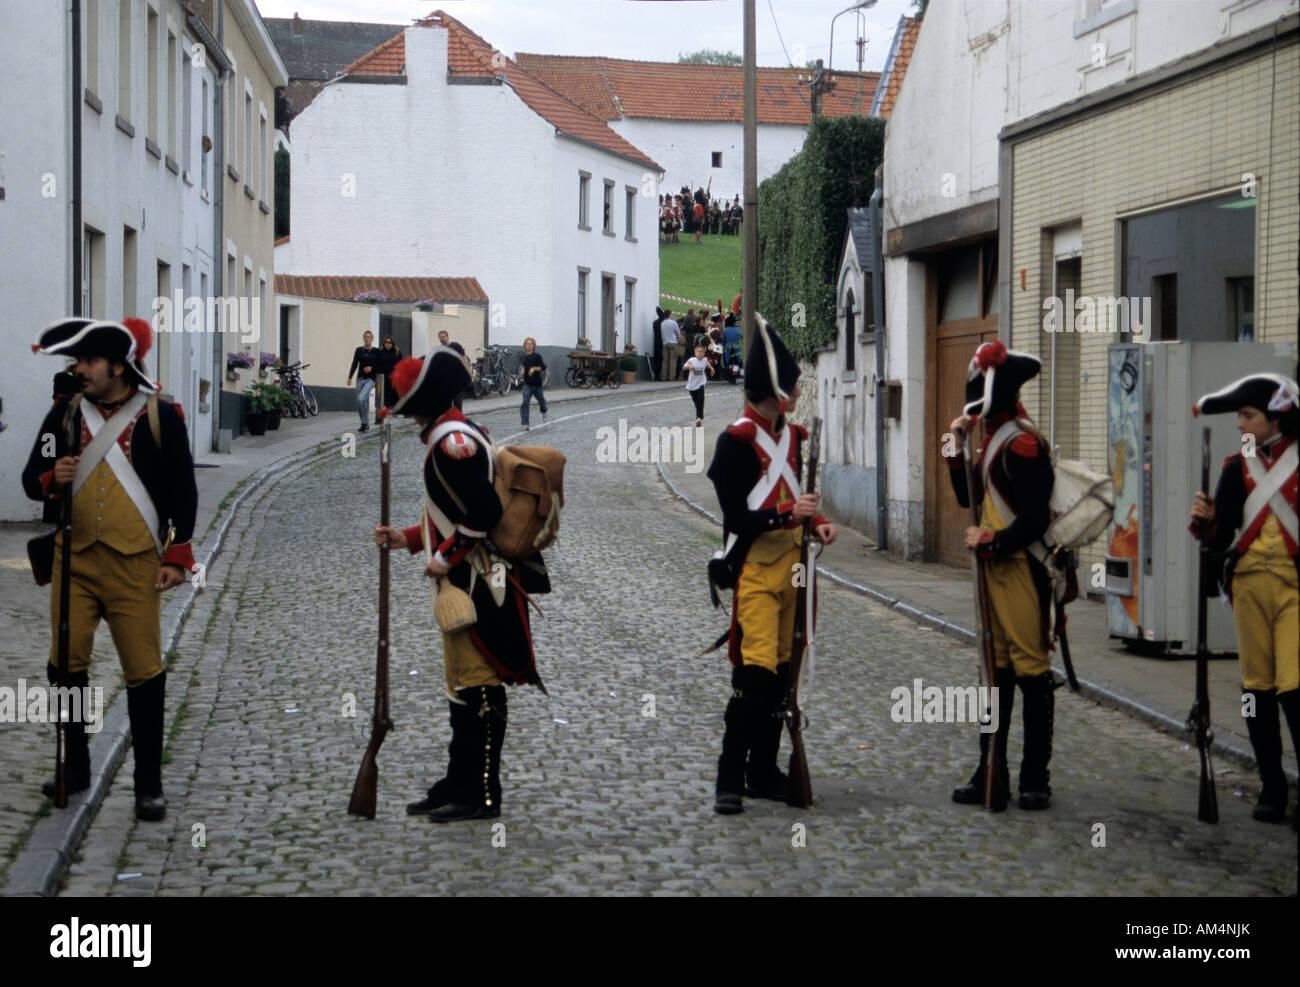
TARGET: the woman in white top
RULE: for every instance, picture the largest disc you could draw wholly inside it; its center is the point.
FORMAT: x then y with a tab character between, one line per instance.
697	367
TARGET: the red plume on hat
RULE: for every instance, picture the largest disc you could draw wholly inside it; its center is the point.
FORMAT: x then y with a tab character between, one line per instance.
405	375
992	354
142	333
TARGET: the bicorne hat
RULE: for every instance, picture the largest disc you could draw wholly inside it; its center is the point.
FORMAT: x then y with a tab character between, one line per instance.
126	342
1272	394
428	386
770	369
995	377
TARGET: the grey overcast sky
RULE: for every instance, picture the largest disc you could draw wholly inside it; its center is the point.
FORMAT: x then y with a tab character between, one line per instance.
654	30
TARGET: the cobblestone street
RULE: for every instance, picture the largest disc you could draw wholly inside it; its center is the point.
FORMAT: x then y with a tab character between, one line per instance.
608	783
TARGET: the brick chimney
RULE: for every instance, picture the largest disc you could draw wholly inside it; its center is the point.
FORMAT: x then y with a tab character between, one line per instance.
297	24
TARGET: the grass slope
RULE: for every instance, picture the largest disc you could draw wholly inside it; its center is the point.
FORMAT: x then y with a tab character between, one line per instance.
704	273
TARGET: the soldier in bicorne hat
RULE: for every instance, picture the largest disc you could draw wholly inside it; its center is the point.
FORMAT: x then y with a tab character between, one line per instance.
131	479
461	507
1252	523
756	469
1013	477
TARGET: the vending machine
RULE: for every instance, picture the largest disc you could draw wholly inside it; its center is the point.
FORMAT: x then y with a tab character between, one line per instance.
1155	457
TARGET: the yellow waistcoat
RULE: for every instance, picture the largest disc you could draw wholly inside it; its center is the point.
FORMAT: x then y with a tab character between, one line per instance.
102	511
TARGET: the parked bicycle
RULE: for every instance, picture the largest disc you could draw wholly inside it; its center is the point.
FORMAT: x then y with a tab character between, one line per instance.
490	372
302	402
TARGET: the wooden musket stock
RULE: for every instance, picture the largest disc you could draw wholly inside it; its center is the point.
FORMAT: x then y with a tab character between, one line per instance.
799	793
1198	720
365	790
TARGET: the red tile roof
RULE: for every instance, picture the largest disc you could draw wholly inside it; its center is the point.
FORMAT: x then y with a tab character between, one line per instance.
613	88
397	289
911	29
388	59
468	55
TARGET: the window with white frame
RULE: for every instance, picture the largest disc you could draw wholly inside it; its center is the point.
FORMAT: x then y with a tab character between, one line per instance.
608	226
630	222
584	192
91	35
151	74
629	296
124	63
173	95
582	302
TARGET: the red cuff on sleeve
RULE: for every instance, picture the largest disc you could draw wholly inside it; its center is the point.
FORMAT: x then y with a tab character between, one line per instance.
1211	530
818	521
47	481
180	555
414	539
985	548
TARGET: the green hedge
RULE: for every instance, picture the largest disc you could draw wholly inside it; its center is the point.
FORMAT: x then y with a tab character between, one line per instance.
802	221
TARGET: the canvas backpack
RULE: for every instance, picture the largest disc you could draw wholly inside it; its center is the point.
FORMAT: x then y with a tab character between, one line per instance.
529	482
1081	507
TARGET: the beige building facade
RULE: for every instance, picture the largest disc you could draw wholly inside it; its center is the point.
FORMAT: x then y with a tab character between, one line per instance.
248	206
1178	193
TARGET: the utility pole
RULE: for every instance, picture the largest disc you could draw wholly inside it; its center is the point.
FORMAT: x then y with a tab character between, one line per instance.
749	244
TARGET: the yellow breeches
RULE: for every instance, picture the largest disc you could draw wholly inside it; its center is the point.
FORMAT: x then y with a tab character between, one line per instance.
765	609
120	589
463	663
1266	607
1018	638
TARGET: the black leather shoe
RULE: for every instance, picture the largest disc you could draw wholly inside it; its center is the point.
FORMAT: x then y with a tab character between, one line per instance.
451	812
1270	812
728	803
968	794
1035	801
774	787
436	797
75	784
150	808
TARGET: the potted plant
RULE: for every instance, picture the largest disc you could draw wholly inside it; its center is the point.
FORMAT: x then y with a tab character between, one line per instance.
425	305
584	344
628	364
370	297
265	361
282	398
262	400
236	362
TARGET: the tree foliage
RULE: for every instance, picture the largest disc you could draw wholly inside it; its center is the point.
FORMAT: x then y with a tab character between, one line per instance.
801	226
708	56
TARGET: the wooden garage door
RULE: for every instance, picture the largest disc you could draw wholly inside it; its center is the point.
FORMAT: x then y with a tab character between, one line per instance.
950	343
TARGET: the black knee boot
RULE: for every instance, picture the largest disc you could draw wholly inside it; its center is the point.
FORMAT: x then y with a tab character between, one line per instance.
76	745
764	779
144	706
1290	703
1266	739
478	729
972	793
748	714
1039	720
440	792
